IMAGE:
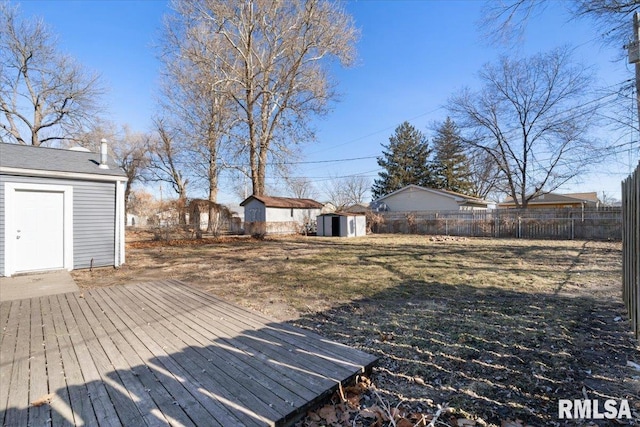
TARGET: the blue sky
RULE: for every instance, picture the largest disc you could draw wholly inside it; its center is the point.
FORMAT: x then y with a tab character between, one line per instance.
412	56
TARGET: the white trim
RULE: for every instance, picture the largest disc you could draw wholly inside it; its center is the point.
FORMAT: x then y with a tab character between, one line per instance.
58	174
9	221
119	225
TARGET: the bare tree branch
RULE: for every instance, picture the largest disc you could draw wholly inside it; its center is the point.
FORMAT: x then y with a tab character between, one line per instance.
530	119
45	96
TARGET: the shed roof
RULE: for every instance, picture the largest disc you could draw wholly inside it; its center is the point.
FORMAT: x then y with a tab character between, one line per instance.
23	158
284	202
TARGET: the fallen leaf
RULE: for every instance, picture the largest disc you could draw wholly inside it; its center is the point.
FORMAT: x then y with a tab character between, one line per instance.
403	422
369	413
313	416
328	413
353	400
43	400
463	422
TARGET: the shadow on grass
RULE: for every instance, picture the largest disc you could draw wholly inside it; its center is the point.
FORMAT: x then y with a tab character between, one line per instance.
489	352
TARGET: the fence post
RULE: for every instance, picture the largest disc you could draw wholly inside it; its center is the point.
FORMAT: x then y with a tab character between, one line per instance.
572	229
519	235
631	248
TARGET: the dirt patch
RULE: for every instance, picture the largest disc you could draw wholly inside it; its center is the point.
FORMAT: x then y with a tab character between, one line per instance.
496	329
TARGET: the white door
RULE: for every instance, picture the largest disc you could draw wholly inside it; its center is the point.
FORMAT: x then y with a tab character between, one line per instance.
39	230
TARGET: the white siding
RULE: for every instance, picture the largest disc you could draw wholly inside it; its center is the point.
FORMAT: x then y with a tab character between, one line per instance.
357	226
298	215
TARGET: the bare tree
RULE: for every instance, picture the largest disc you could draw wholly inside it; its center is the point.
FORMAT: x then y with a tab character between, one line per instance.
484	174
505	21
347	191
356	187
128	148
45	96
301	187
274	55
530	118
197	96
130	153
166	164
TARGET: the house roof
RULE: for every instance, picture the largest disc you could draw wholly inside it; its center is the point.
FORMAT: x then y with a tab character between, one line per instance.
462	199
590	197
556	198
284	202
358	208
26	159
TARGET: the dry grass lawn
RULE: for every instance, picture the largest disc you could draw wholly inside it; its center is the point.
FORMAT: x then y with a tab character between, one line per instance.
497	329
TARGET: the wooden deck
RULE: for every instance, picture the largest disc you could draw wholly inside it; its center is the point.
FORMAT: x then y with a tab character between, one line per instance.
159	353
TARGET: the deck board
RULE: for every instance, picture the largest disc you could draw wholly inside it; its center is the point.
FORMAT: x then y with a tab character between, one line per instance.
19	379
215	346
160	353
161	361
7	352
258	354
38	415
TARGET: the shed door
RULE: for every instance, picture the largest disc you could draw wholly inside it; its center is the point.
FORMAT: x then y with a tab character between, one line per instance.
335	226
39	230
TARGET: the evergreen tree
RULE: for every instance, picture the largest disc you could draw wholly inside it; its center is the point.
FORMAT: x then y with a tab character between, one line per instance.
405	160
451	164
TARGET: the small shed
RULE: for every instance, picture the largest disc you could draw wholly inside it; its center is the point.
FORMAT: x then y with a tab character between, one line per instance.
59	209
279	215
342	224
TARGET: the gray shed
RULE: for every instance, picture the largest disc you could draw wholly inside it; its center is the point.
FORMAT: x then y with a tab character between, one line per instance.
59	209
342	224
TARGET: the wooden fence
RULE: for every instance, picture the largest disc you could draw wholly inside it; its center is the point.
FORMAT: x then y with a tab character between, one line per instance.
631	247
565	224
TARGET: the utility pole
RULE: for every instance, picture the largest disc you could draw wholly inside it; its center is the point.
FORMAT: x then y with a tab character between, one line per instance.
634	58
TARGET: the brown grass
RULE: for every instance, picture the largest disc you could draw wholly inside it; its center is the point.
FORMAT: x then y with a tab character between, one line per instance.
496	328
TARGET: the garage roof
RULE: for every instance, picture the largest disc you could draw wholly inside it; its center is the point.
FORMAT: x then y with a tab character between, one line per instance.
285	202
24	158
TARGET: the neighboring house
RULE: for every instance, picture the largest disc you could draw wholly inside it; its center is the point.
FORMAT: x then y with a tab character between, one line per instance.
414	198
557	201
59	209
359	208
328	207
342	224
279	215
